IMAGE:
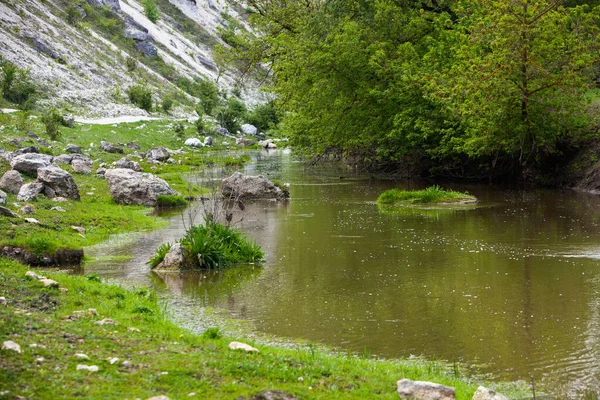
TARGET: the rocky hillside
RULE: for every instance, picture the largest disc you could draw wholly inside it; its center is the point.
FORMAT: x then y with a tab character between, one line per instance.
86	53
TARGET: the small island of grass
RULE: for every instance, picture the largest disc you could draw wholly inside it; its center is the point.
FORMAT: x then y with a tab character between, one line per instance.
431	195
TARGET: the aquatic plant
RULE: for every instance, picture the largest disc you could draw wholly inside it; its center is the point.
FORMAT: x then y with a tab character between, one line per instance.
433	194
159	255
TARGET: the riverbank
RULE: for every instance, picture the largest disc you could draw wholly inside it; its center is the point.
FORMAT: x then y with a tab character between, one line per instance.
57	331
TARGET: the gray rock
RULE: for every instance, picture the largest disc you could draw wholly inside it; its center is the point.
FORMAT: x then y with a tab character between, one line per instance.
267	144
147	48
3	197
419	390
246	186
60	181
249	129
127	164
483	393
133	145
69	119
222	131
193	142
25	150
136	34
208	141
30	191
174	259
158	154
11	181
71	148
81	167
29	163
27	209
100	172
206	63
110	148
45	48
112	4
129	187
49	192
244	142
7	213
63	158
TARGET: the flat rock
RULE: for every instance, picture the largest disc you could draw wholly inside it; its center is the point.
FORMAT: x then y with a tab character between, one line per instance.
90	368
10	345
30	163
419	390
130	187
110	147
7	213
60	181
49	283
483	393
11	182
242	346
30	191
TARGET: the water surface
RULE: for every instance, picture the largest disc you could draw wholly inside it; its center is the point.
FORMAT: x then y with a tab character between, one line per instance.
510	287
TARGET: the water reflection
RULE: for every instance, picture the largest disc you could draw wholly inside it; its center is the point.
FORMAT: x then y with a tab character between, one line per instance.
511	286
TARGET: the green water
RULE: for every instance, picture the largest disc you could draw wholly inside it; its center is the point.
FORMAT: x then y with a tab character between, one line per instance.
510	287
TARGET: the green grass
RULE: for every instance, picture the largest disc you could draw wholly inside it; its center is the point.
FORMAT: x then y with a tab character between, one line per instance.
433	194
165	201
200	364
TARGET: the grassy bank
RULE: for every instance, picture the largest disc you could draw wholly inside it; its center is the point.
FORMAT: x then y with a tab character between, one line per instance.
163	359
97	213
433	194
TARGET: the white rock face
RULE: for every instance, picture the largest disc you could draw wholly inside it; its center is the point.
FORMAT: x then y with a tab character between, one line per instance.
10	345
129	187
249	129
194	142
483	393
418	390
242	346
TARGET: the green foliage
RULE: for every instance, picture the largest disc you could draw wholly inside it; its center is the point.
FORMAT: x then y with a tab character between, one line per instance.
52	120
93	278
167	103
151	10
16	85
159	255
206	91
168	201
433	194
212	333
179	129
200	125
141	96
131	64
264	116
73	16
231	115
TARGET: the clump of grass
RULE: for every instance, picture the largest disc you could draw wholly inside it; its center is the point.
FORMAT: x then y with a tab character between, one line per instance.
165	201
212	246
433	194
53	120
212	333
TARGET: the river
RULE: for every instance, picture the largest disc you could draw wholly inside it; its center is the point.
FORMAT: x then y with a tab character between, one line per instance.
510	287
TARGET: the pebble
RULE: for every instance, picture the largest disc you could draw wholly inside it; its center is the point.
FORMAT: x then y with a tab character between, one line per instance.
113	360
242	346
49	283
91	368
106	321
82	356
2	300
31	274
40	359
132	329
159	398
59	209
10	345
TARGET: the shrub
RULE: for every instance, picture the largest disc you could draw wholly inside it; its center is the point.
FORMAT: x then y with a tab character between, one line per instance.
264	116
131	64
52	120
73	16
179	129
140	96
165	201
159	255
16	85
200	125
150	10
231	114
212	333
167	103
207	92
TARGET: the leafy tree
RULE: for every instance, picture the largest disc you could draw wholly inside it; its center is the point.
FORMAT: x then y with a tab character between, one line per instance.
151	10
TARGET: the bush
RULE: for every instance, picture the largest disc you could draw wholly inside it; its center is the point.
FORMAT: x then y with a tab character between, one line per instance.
207	92
264	116
231	115
179	129
159	255
52	120
200	125
165	201
16	85
150	10
131	64
73	16
167	104
140	96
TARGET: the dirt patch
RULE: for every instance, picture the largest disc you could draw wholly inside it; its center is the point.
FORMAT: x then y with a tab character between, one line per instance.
62	257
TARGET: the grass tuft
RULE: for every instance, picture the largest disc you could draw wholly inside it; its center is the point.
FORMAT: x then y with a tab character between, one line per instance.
433	194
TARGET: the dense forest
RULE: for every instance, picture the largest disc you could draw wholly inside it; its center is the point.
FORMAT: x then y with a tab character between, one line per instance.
463	88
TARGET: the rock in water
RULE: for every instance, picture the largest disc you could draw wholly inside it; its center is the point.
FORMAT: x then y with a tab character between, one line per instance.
418	390
249	129
11	182
60	181
30	191
173	260
129	187
29	163
483	393
246	186
158	154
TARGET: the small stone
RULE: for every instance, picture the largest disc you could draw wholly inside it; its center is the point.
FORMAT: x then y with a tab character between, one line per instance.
191	394
10	345
242	346
113	360
126	363
483	393
31	274
106	321
27	209
92	311
32	221
419	390
40	359
131	329
91	368
82	356
63	290
2	300
78	229
59	209
159	398
49	283
164	373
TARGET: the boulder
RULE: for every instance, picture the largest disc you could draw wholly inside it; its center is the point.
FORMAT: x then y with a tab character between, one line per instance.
194	142
127	164
133	145
71	148
11	182
110	148
81	166
25	150
60	181
222	131
246	186
130	187
174	259
249	129
3	197
267	144
29	163
30	191
208	141
244	142
158	154
483	393
418	390
136	34
69	119
147	48
63	158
